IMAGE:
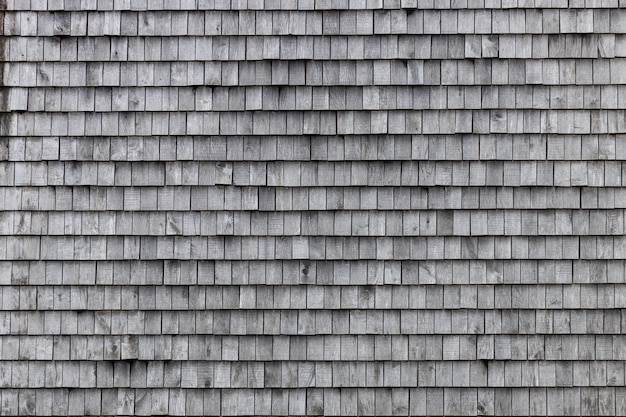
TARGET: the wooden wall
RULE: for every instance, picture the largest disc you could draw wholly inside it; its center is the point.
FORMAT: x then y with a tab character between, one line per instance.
346	207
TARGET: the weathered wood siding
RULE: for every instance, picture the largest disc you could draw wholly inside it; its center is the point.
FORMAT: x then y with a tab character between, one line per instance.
346	207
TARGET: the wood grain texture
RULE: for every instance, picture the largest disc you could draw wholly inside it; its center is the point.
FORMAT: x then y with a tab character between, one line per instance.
263	207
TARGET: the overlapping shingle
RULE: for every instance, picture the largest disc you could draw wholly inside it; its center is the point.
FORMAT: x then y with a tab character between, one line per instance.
264	207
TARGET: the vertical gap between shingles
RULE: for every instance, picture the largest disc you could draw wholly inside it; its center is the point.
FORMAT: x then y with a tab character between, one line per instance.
4	91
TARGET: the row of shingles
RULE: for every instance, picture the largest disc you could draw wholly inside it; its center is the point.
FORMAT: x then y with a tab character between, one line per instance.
220	198
418	401
305	47
178	345
318	73
312	23
429	294
195	149
470	124
397	325
110	5
317	401
482	222
315	248
319	297
347	322
315	374
485	274
314	174
428	122
236	50
318	98
307	272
